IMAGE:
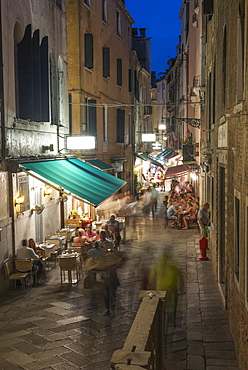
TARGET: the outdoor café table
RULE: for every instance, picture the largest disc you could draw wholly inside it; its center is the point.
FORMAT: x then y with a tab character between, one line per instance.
70	262
65	232
49	248
60	241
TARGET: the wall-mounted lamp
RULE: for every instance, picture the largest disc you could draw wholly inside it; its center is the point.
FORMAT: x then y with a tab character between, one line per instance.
162	126
19	200
48	191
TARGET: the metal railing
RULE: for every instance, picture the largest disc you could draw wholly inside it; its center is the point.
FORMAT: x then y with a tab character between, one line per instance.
144	345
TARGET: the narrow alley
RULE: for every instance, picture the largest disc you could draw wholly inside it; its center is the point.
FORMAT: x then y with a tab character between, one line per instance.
54	327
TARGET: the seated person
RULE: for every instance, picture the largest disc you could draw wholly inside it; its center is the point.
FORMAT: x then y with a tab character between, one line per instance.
41	274
105	243
80	239
95	251
88	234
108	233
190	214
115	227
27	253
172	211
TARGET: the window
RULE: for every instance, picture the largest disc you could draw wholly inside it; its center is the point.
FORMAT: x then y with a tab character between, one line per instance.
61	89
53	90
224	68
104	10
236	236
90	117
106	62
118	23
105	123
120	127
240	55
88	51
87	2
59	4
130	80
119	72
32	77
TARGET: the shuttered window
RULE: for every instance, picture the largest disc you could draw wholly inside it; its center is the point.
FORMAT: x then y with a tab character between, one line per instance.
106	62
44	71
119	72
120	127
130	80
91	126
88	51
32	85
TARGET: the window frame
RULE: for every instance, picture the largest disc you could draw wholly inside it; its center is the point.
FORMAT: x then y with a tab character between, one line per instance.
119	72
88	50
118	23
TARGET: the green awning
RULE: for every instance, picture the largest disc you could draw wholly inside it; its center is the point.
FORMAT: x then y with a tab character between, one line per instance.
82	180
99	164
146	158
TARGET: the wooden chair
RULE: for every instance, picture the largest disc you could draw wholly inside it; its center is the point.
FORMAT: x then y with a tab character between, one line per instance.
26	265
8	268
69	265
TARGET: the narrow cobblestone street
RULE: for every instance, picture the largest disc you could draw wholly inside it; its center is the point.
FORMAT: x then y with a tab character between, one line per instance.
54	327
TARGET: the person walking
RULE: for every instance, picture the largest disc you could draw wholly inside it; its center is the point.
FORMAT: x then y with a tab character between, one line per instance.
147	202
155	195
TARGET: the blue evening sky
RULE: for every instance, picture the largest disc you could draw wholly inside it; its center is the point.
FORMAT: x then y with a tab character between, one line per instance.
160	18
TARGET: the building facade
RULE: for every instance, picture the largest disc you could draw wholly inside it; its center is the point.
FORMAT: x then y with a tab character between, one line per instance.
101	81
34	115
225	151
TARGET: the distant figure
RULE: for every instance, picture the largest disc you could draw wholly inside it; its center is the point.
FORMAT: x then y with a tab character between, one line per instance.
147	202
203	219
155	195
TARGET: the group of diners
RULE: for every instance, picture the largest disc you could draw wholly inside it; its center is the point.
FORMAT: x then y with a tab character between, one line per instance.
181	205
106	238
99	242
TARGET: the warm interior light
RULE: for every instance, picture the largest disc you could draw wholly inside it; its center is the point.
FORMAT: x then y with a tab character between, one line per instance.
162	126
48	191
81	142
148	137
19	199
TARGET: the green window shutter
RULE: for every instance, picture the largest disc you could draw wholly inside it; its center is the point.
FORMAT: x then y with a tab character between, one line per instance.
119	72
25	76
88	51
106	62
92	117
120	127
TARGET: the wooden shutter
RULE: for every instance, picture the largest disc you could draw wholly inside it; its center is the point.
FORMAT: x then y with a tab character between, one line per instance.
120	129
88	44
130	80
24	78
92	117
44	91
106	61
119	72
36	76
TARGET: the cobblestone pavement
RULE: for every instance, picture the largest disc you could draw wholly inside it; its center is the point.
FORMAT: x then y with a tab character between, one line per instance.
54	327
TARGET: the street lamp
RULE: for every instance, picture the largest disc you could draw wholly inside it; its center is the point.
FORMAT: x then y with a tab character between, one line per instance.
162	127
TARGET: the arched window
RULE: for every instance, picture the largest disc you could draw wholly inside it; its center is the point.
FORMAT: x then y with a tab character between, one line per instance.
240	53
